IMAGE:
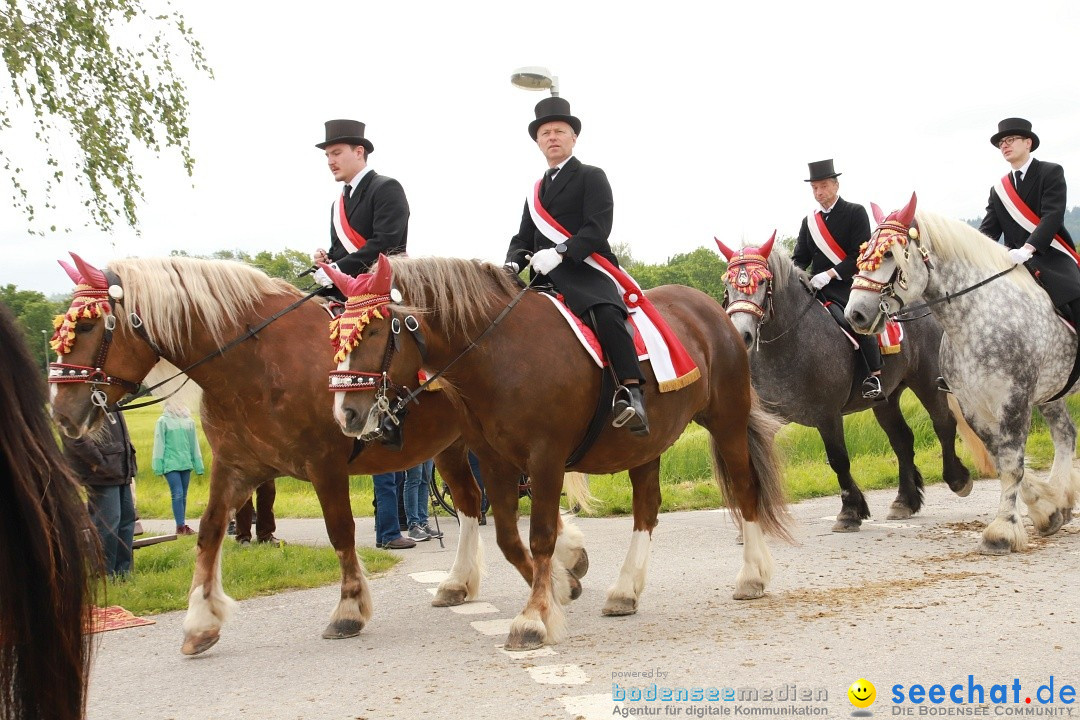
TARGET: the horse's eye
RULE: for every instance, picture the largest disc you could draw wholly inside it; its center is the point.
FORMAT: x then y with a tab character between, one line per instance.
888	254
84	327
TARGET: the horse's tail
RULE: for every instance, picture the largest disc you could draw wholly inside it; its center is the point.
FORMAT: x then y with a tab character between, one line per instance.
576	487
765	473
984	462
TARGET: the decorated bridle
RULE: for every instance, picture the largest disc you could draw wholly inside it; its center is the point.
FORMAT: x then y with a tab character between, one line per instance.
370	297
94	290
748	268
893	231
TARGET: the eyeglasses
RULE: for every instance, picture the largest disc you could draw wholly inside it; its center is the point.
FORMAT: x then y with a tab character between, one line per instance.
1009	140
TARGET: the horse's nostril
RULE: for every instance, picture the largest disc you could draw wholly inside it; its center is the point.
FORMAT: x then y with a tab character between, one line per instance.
747	338
350	417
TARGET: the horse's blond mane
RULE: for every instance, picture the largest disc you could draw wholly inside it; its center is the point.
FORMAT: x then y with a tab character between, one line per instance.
458	289
169	293
952	239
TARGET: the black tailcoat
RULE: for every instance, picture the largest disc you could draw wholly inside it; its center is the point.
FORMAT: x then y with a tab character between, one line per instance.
379	211
850	227
1043	189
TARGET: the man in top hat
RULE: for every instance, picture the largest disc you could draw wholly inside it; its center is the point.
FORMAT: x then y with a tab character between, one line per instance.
578	198
1028	207
828	245
371	215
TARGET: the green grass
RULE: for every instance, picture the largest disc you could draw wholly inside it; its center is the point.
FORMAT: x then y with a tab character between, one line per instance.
685	473
162	574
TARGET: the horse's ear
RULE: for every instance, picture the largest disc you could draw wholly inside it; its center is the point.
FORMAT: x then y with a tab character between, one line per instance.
879	216
724	249
91	275
382	280
907	214
343	281
767	247
71	272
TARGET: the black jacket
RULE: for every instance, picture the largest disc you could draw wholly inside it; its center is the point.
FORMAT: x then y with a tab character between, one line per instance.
579	198
1043	189
379	211
108	461
850	227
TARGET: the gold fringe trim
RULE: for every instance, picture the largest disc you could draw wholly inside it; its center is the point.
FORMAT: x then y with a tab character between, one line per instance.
680	382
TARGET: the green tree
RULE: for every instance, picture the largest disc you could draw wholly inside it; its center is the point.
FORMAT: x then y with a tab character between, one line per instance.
286	264
702	269
105	73
35	314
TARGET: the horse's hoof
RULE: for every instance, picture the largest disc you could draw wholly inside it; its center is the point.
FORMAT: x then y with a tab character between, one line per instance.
1056	521
899	511
999	546
200	643
341	629
847	525
449	597
619	606
520	640
738	539
581	567
752	591
965	490
575	587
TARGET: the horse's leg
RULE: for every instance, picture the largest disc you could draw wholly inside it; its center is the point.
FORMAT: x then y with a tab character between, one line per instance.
570	544
500	481
354	608
463	582
953	471
622	598
1005	440
543	620
1050	503
208	605
909	496
853	509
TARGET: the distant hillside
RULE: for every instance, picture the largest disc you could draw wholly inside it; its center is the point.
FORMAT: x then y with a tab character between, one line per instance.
1072	223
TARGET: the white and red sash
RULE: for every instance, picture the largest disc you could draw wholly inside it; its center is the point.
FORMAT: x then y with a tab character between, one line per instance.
671	364
826	243
349	238
1025	217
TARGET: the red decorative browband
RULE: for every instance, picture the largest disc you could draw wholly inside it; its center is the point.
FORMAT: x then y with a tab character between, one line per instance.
873	251
88	303
346	330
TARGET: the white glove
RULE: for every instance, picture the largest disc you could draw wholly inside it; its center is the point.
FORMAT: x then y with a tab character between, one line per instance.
322	278
546	260
1020	255
821	279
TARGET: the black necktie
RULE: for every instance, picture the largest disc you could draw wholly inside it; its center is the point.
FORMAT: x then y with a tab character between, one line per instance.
1016	179
549	176
347	192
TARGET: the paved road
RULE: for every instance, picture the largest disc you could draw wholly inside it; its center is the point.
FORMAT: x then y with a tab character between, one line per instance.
898	603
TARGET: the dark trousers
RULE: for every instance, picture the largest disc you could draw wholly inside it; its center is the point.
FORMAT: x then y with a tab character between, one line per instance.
264	523
868	344
112	511
610	325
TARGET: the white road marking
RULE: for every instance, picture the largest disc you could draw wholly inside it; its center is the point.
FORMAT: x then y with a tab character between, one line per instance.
589	707
558	675
430	576
475	608
493	627
546	651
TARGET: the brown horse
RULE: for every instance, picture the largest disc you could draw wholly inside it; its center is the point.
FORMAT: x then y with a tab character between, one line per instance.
264	409
526	391
45	587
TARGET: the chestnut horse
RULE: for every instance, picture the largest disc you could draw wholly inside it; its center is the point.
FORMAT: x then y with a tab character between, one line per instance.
526	391
264	409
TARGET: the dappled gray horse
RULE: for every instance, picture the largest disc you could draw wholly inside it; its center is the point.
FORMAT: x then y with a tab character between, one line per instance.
804	368
1005	351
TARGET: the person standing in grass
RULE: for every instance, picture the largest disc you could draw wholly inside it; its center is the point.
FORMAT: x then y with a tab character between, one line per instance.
176	454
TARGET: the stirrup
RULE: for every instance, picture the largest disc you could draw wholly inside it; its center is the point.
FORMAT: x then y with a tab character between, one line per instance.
871	388
628	413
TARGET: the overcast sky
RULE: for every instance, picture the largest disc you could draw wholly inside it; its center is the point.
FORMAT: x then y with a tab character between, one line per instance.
704	116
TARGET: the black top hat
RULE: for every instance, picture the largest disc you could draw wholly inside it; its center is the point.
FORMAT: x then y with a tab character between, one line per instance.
822	170
550	109
1015	126
346	131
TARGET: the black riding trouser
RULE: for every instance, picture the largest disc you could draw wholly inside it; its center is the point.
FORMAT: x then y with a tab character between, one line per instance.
868	344
611	327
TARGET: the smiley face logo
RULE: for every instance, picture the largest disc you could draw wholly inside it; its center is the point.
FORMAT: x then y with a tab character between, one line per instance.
862	693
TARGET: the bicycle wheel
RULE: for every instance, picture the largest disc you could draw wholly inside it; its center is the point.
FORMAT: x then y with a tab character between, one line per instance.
440	495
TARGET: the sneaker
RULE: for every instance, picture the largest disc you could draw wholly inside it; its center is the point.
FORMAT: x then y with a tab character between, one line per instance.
398	543
231	530
184	530
243	541
432	532
418	534
871	388
276	542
